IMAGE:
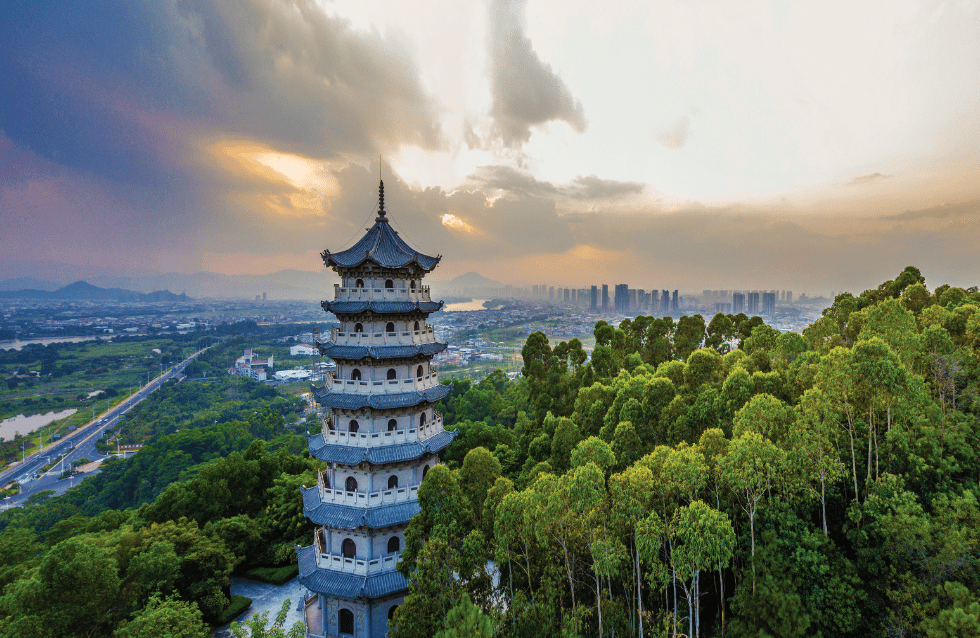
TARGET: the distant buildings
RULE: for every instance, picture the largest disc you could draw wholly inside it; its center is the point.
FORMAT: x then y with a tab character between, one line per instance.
738	303
302	350
248	365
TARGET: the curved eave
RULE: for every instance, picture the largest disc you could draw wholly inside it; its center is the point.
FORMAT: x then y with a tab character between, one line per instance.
347	401
357	307
350	455
342	585
357	353
351	517
383	246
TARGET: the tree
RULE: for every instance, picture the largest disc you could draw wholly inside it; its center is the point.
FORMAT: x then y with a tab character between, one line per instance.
705	539
169	618
257	626
466	620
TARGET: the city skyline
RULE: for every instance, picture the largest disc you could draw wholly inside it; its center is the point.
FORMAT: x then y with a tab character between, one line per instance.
818	147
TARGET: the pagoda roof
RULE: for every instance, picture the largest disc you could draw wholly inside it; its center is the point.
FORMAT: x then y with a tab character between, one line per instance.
356	307
350	401
352	517
344	585
356	353
350	455
381	245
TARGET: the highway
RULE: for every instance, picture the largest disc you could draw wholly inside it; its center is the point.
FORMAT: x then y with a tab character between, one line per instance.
79	445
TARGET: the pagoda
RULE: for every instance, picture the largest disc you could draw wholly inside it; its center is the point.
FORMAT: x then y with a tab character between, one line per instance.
381	436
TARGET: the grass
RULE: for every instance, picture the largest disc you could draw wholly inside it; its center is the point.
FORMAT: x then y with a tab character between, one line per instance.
273	575
237	606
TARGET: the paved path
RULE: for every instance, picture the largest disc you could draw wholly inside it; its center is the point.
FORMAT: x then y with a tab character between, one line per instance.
266	598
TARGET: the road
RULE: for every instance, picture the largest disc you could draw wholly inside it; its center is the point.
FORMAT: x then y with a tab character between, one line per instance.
79	445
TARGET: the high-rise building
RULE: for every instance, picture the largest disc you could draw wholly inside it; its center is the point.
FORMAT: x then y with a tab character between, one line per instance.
738	303
605	296
621	298
769	304
665	302
753	303
594	298
789	296
381	437
674	303
566	295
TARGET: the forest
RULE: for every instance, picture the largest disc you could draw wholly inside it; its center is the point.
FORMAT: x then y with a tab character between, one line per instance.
715	479
685	478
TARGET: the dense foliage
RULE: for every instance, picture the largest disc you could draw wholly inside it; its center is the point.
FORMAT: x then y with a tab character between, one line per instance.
717	479
146	547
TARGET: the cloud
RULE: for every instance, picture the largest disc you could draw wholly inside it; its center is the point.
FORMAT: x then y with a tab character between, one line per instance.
124	90
525	91
867	179
520	182
676	136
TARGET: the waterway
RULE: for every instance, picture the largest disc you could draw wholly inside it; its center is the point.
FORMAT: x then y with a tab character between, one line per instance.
27	424
17	344
475	304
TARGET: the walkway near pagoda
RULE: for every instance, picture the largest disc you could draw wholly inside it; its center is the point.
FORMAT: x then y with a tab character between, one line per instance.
266	597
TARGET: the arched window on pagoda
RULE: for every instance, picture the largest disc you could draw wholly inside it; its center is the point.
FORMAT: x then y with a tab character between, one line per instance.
393	482
358	327
353	426
416	326
411	284
389	284
351	484
348	548
392	374
359	283
391	612
425	470
422	419
326	479
390	327
419	372
392	425
394	545
355	375
345	622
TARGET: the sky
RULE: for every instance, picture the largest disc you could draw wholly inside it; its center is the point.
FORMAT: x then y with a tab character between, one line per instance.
814	146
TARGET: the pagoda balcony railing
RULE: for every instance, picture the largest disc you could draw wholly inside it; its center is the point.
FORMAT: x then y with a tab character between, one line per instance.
381	294
390	437
398	338
364	499
388	386
357	566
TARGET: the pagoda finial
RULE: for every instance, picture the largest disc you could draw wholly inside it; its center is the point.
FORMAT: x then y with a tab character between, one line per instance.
381	199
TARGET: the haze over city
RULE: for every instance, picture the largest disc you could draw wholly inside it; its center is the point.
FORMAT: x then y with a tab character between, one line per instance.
815	146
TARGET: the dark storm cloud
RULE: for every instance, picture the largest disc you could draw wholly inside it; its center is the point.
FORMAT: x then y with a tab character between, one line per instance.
117	88
521	182
525	90
867	179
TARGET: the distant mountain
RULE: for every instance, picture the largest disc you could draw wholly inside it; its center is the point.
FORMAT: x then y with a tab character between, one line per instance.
83	290
470	284
24	283
473	280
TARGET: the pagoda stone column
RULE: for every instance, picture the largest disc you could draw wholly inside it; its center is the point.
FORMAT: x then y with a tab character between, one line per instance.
381	438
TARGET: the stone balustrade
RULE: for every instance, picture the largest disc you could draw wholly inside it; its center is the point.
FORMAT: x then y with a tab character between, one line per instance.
379	439
363	499
341	293
397	338
386	386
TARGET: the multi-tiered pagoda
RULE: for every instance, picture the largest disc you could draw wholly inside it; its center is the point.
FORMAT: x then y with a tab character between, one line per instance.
381	437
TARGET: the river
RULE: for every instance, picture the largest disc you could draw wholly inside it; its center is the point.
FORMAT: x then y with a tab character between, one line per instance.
475	304
17	344
27	424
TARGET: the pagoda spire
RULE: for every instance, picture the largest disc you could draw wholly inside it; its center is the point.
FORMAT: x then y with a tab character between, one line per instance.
381	199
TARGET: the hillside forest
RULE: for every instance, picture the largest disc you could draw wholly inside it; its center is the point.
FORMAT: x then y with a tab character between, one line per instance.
689	478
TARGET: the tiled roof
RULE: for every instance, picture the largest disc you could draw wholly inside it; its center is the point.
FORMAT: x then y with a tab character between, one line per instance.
350	401
335	351
356	307
352	517
348	455
381	245
351	586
